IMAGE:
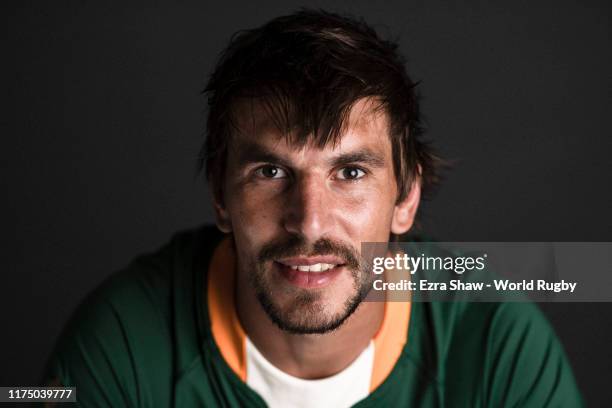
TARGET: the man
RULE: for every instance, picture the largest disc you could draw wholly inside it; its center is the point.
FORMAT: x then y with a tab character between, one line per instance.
313	147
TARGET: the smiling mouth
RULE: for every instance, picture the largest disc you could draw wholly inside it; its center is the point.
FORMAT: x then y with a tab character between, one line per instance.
318	267
308	274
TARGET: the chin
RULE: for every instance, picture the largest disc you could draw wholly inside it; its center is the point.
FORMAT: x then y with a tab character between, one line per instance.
308	312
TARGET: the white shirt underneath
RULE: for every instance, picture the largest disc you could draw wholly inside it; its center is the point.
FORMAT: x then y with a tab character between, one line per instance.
279	389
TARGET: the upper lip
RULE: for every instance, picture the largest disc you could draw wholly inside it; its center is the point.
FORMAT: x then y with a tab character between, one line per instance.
313	260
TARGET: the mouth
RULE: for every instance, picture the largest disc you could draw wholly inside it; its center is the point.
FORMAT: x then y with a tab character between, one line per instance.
309	273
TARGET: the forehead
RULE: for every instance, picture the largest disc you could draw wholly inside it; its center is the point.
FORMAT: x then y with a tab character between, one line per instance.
366	126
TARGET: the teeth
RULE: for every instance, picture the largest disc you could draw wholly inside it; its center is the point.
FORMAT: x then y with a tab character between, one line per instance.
319	267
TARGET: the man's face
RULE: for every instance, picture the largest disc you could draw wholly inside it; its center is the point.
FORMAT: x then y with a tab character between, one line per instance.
300	214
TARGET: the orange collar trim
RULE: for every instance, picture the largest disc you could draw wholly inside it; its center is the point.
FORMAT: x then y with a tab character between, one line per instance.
230	337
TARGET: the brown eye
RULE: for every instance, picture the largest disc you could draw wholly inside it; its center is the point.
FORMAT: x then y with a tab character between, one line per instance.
270	171
350	173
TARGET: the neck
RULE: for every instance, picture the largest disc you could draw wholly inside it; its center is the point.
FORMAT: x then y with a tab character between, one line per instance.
308	356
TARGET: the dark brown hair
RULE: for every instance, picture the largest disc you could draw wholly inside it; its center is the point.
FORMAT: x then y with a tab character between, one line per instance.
307	70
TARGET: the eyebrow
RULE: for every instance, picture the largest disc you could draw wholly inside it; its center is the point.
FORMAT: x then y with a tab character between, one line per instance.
255	153
365	156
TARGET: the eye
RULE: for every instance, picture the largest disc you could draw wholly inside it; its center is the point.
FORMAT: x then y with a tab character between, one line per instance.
350	173
271	171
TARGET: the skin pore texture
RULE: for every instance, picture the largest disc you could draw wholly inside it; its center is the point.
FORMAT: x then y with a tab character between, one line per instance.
290	206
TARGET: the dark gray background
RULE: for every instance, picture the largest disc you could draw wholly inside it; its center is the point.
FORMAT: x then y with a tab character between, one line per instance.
103	121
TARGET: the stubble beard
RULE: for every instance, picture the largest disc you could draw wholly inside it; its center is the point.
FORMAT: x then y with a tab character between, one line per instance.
307	312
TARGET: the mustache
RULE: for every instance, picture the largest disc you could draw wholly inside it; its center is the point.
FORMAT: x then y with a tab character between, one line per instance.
297	246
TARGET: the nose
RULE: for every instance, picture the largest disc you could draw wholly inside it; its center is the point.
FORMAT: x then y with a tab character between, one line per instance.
309	208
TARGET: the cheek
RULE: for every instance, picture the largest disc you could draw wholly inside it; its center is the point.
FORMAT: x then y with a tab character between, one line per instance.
252	211
369	213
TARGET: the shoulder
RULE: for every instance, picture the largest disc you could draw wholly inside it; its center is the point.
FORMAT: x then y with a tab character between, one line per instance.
118	346
139	296
502	354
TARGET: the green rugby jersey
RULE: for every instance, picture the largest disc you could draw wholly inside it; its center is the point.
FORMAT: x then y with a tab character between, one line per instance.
144	339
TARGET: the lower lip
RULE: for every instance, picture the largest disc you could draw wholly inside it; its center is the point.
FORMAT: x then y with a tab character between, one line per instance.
308	280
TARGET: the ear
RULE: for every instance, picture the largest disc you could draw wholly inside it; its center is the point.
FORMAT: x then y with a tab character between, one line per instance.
405	211
222	218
